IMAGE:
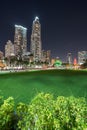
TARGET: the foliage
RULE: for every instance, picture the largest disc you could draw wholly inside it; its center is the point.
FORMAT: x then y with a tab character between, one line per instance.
22	110
45	113
7	115
71	112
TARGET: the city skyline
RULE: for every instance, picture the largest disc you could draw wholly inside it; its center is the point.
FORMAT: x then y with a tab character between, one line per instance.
64	24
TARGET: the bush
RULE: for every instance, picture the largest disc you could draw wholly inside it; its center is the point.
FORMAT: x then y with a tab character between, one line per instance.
7	115
44	113
64	113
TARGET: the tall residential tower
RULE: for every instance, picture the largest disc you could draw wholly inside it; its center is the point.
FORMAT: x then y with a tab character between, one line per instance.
20	40
35	47
82	57
69	58
9	49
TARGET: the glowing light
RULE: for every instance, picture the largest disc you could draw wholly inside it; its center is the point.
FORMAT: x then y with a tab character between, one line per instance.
57	63
75	61
36	18
19	26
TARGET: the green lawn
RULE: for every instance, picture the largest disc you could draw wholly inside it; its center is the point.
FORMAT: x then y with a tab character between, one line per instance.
24	86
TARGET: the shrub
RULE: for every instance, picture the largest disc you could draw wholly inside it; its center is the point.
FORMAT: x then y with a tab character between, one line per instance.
7	115
44	113
64	113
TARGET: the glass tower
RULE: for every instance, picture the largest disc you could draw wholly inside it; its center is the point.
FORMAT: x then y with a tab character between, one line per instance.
9	49
69	58
20	40
35	47
82	57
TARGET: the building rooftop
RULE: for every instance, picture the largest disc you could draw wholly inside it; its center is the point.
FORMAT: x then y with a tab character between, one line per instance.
19	26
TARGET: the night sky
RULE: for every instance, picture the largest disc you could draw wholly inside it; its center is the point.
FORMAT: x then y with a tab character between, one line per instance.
63	23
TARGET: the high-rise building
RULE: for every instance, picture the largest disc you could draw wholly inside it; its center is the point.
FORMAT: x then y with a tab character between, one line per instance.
69	58
46	56
20	40
1	55
82	57
35	47
9	49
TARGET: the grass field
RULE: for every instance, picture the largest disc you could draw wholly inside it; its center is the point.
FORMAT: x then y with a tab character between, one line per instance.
23	86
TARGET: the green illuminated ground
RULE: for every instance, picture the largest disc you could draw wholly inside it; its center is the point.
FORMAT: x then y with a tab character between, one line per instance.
24	86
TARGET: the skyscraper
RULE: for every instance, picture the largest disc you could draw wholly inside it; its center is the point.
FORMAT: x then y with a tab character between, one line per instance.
20	40
1	55
9	49
46	56
69	58
35	47
82	57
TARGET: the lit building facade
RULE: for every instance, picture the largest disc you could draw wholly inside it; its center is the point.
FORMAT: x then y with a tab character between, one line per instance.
69	58
1	55
20	40
82	57
46	56
53	61
35	47
9	49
